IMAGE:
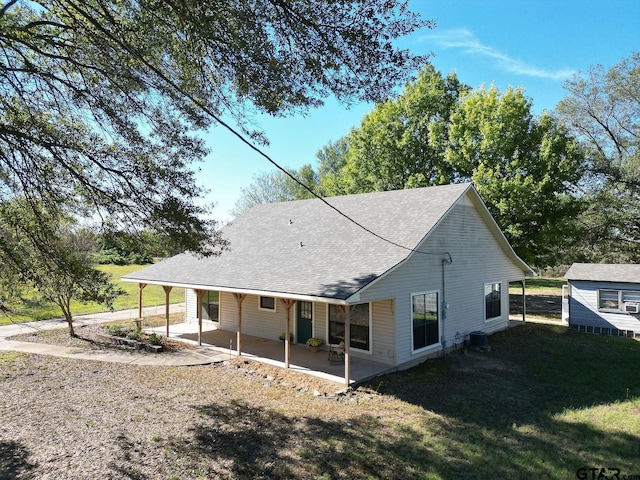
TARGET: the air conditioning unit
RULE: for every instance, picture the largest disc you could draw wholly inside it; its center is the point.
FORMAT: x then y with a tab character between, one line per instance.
632	307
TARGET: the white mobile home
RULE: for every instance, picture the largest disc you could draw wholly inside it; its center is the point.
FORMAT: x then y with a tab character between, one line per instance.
603	299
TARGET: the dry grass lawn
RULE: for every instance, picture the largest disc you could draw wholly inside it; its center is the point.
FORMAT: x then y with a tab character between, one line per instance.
542	404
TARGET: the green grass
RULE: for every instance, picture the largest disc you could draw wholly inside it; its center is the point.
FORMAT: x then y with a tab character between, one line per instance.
542	404
33	308
540	286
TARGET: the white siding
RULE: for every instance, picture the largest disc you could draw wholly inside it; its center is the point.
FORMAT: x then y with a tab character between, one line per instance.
477	259
190	305
583	307
229	312
320	325
256	322
383	326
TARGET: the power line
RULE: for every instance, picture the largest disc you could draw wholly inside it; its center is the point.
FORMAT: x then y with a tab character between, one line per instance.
134	51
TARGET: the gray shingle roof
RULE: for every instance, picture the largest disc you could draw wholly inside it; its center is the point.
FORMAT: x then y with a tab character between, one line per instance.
336	259
605	272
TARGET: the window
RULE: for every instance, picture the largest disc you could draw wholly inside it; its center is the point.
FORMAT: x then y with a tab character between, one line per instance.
630	296
492	301
615	300
211	305
424	312
609	300
267	303
360	325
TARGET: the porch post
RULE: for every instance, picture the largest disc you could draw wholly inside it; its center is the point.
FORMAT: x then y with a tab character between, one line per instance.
239	298
347	344
199	294
167	291
140	288
524	302
288	304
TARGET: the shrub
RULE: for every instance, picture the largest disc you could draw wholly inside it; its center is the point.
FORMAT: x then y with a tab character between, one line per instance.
116	330
154	339
110	256
133	334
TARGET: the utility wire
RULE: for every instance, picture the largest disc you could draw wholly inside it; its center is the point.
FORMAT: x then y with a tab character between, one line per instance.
134	51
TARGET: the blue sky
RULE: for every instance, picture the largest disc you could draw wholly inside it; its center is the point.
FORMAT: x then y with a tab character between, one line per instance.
534	44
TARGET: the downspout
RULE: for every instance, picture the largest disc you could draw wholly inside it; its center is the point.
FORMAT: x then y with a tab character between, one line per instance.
444	304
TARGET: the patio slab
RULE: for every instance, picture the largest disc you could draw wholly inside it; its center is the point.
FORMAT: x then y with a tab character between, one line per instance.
271	352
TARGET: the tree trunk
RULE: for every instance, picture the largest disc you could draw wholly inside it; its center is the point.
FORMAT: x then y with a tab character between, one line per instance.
66	309
69	319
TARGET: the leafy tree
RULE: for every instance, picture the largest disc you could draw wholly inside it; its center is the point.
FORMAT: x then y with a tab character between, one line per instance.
128	248
332	158
276	186
100	99
10	291
525	168
438	132
603	110
400	144
42	251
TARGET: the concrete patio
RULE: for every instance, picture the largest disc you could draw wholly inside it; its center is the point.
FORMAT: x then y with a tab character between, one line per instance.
271	352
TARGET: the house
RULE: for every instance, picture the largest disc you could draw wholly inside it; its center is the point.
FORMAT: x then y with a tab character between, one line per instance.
415	271
603	299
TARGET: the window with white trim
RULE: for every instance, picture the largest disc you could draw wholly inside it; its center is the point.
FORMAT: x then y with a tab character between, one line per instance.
360	325
267	303
211	305
608	300
425	315
617	300
492	301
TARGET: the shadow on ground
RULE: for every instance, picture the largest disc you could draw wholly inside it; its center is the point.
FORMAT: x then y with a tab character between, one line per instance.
241	441
473	415
14	461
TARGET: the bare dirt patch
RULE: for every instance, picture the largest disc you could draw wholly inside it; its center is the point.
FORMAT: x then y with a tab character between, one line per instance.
545	306
91	337
63	418
475	415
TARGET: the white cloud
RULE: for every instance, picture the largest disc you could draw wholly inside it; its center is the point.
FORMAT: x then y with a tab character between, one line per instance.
466	41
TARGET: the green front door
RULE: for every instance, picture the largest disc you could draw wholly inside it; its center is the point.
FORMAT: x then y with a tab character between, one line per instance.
305	321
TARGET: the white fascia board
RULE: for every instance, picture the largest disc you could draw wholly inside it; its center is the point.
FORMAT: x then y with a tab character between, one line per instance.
304	298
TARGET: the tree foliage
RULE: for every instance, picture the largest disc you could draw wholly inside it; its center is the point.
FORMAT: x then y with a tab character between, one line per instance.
276	186
125	248
100	99
602	109
437	131
525	168
44	252
400	144
101	102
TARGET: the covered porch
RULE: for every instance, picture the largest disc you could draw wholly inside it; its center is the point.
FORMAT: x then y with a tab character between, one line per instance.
283	354
272	352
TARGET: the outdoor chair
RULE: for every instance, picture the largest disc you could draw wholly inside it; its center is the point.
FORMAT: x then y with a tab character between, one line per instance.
336	352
